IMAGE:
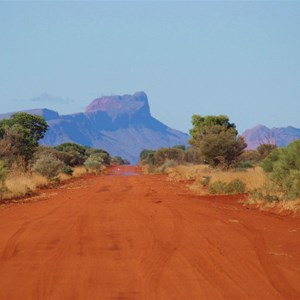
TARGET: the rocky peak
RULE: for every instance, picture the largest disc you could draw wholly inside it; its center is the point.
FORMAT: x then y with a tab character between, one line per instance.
118	105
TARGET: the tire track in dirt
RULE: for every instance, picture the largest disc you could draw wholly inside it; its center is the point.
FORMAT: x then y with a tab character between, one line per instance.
162	250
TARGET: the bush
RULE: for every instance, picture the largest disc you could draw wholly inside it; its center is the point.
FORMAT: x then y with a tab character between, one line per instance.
244	165
167	164
48	166
283	168
118	160
67	170
205	180
235	186
3	172
94	163
3	175
164	154
104	154
148	157
217	187
192	155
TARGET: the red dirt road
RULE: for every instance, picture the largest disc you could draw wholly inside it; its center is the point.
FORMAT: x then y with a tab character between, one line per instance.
142	237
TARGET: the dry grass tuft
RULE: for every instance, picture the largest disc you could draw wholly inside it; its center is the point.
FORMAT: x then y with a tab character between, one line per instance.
253	178
79	171
20	185
280	206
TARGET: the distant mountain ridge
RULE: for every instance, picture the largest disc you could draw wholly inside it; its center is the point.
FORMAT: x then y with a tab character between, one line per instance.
261	134
122	125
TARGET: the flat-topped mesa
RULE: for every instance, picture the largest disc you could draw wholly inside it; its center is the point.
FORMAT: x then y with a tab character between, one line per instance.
118	105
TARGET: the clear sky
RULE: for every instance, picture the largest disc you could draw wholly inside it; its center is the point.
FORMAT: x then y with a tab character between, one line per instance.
237	58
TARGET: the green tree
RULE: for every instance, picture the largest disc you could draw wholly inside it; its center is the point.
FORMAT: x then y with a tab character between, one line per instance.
21	133
217	140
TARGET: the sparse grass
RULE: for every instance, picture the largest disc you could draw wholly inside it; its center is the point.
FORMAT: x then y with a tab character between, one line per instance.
253	178
280	206
257	184
79	171
20	185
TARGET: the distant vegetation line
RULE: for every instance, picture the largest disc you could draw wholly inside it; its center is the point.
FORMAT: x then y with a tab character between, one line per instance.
217	149
20	153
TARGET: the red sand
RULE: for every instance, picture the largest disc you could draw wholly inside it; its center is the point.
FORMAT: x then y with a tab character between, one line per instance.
142	237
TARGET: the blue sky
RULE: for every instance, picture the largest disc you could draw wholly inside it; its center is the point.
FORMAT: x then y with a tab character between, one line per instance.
236	58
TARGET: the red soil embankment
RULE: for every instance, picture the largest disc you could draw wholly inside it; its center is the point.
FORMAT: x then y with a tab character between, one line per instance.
141	237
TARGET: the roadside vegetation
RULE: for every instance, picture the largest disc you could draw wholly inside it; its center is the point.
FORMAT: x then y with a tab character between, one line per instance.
25	165
217	162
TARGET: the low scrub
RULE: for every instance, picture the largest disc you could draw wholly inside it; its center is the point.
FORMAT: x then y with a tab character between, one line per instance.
235	186
203	176
20	185
48	166
283	168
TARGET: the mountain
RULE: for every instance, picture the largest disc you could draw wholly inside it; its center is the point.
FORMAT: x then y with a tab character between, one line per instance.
122	125
261	134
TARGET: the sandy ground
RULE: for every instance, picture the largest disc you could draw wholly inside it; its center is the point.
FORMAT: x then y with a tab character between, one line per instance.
142	237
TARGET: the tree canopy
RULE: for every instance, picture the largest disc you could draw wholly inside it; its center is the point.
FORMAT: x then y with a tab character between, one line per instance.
20	134
216	139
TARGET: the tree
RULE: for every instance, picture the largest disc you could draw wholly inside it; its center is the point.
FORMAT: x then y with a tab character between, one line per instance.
216	139
20	134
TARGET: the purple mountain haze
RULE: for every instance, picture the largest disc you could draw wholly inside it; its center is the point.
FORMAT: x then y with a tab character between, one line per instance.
261	134
122	125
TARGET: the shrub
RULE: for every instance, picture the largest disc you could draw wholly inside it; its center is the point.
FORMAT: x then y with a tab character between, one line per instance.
235	186
283	168
166	165
148	157
244	165
118	160
265	149
67	170
3	172
192	155
164	154
205	180
104	154
48	166
3	175
94	163
217	187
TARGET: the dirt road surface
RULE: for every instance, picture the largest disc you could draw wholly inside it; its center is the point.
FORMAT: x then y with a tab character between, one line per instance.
123	236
